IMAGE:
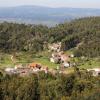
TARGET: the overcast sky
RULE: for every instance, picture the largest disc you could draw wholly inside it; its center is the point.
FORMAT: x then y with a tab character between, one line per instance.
53	3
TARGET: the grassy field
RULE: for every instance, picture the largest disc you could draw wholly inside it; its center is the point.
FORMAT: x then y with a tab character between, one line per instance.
26	58
5	60
92	63
45	62
87	62
43	58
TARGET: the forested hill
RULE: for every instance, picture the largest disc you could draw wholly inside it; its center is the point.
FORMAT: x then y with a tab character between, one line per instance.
82	34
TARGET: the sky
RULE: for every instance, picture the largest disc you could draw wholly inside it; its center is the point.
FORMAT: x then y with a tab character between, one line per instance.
53	3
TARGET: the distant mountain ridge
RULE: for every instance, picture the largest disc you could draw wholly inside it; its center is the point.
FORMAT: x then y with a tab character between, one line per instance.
47	15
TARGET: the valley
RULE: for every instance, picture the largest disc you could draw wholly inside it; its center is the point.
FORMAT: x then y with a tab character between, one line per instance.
38	62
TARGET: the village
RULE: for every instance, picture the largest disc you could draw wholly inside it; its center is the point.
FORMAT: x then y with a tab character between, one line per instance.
57	56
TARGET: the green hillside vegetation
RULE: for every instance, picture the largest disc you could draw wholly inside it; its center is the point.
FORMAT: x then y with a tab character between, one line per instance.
29	43
43	86
80	37
34	38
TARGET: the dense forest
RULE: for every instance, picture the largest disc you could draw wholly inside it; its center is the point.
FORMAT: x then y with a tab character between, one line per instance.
82	34
41	86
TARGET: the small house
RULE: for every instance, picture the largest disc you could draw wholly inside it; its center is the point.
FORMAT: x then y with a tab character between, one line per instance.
56	47
66	64
35	65
95	71
18	66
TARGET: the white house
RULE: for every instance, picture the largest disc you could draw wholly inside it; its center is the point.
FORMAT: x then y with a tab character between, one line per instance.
66	64
9	70
95	71
52	60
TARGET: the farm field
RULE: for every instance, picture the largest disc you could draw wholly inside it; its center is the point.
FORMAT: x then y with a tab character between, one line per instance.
25	58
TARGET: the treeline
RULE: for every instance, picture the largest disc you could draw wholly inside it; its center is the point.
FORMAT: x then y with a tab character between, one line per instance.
43	86
84	34
85	37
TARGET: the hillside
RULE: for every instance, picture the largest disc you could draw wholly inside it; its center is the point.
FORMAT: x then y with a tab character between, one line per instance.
44	15
43	86
23	45
83	35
